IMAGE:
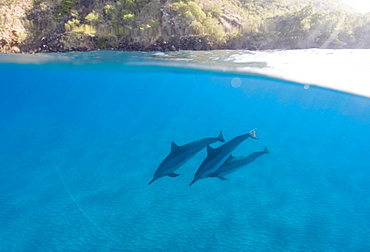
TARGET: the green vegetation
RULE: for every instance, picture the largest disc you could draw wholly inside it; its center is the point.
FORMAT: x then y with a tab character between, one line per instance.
65	7
128	17
212	10
182	24
189	11
74	26
200	22
92	16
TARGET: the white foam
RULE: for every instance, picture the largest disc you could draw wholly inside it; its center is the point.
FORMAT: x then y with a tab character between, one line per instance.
345	70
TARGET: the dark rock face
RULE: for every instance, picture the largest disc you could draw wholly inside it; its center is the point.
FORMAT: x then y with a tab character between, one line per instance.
180	43
52	42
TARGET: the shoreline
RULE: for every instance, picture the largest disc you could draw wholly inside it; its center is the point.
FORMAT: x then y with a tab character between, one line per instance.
192	43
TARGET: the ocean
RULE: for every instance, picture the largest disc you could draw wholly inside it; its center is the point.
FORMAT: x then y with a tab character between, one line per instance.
83	133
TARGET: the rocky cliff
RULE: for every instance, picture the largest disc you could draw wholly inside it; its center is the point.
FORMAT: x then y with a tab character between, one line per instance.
65	25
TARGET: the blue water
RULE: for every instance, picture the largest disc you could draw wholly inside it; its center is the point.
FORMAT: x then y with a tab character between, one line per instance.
80	143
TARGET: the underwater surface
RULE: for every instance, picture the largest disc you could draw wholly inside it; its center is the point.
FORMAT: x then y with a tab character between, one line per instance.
82	135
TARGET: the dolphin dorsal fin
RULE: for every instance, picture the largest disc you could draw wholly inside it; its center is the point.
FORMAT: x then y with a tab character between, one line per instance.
266	151
209	150
221	137
174	146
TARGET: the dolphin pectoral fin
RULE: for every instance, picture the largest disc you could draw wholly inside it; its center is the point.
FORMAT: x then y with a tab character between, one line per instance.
221	137
252	134
173	175
221	177
229	158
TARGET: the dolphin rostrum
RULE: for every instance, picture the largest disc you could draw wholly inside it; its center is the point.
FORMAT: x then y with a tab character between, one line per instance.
216	157
179	155
233	164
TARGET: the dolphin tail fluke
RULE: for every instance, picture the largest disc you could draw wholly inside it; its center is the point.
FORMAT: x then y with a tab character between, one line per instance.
221	177
152	181
192	182
221	137
252	134
265	150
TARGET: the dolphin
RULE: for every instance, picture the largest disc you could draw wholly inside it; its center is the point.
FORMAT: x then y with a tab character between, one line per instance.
233	164
216	157
179	155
